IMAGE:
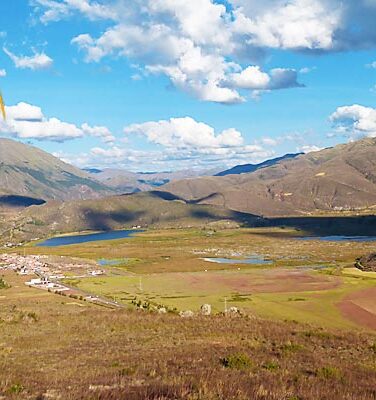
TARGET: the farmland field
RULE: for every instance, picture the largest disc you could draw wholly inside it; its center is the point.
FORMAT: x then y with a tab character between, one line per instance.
308	281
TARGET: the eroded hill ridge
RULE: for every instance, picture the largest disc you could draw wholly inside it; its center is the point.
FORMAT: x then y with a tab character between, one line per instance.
31	173
334	179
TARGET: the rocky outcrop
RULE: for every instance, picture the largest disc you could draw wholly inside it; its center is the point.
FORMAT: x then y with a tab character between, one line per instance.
367	263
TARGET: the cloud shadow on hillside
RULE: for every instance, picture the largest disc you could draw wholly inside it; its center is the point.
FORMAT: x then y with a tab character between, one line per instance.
213	213
14	201
332	225
315	226
171	197
107	220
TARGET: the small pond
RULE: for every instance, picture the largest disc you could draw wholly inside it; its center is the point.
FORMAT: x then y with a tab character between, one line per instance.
253	260
104	262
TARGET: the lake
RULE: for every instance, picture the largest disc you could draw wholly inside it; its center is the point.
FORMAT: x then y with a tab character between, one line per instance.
91	237
104	262
339	238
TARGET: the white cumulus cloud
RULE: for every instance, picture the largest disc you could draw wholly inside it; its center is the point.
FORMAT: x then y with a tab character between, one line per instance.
98	131
355	121
186	133
309	149
371	65
196	44
295	24
57	10
169	158
24	112
37	61
253	78
26	121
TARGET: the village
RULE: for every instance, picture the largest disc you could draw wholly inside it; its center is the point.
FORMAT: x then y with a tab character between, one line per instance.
46	274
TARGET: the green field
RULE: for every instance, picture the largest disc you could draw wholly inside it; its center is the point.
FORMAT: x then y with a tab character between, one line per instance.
305	282
248	290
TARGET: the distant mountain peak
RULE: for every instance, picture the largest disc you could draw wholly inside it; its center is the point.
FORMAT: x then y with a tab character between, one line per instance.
248	168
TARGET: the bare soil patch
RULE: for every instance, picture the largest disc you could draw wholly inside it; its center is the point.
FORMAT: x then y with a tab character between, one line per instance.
266	281
360	307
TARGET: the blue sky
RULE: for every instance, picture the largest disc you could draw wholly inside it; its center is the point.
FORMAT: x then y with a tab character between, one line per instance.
163	84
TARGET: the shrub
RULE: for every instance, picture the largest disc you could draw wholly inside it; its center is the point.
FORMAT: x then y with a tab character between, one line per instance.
271	366
328	373
37	222
33	316
297	299
22	316
237	361
318	334
3	284
291	347
16	388
128	371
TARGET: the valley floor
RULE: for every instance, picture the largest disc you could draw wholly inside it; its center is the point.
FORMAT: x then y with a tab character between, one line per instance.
308	281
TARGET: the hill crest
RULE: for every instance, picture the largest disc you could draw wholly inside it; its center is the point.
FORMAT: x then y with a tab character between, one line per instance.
28	171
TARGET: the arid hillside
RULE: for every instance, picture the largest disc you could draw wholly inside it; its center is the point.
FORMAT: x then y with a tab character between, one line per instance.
149	209
28	175
334	179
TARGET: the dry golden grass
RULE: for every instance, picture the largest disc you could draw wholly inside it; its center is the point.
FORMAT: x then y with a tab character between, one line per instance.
51	348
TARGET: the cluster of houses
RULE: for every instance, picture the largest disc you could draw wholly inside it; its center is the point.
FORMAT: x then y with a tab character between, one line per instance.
46	275
24	265
10	245
35	266
45	283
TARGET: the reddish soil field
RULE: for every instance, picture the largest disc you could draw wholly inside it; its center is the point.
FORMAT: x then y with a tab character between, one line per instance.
267	282
360	307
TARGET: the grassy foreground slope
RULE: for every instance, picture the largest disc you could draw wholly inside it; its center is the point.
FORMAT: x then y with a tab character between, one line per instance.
59	348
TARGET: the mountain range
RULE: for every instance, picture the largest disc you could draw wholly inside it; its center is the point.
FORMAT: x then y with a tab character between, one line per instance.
334	179
247	168
124	181
29	175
